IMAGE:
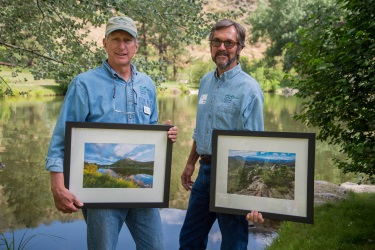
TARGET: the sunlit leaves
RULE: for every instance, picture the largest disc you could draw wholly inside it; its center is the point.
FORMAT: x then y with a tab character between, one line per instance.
51	35
336	65
277	21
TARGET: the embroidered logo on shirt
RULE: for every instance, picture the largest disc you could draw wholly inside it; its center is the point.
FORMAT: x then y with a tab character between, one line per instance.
230	98
144	90
203	99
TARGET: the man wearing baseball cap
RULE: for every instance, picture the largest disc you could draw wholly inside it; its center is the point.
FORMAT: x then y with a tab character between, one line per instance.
115	92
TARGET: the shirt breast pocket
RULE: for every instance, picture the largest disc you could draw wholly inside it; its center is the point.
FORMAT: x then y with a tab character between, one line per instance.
144	110
226	117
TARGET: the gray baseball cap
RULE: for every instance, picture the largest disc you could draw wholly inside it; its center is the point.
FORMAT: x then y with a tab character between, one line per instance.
121	23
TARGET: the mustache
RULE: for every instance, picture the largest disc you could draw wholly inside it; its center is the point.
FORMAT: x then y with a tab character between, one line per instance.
221	53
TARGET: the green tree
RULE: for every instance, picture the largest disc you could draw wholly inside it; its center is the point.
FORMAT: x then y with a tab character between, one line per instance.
277	21
52	36
269	77
337	75
198	69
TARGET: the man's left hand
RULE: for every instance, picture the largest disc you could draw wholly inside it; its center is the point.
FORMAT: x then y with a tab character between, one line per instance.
172	132
255	216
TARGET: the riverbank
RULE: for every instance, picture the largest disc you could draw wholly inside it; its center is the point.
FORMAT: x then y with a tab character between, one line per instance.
347	224
343	219
23	84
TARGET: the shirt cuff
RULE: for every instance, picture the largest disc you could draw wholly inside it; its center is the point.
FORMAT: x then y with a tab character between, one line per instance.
55	164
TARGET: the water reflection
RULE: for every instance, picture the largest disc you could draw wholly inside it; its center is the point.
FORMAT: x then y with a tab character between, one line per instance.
25	198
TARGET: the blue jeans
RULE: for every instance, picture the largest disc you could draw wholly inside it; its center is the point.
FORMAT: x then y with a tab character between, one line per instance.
104	226
199	220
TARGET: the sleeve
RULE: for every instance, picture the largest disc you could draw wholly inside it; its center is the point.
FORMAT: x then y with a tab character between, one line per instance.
74	108
253	111
155	113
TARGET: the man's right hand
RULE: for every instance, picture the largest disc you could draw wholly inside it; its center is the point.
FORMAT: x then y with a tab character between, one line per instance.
65	201
186	181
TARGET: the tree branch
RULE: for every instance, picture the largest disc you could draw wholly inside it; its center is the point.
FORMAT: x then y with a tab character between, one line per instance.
30	51
2	79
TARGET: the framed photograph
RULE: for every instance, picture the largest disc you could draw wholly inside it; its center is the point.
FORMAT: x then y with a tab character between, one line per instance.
110	165
272	172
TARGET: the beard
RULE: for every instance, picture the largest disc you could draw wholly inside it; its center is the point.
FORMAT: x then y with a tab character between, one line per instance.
223	64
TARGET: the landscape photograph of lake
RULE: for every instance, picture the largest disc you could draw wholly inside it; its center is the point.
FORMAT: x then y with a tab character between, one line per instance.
263	174
118	165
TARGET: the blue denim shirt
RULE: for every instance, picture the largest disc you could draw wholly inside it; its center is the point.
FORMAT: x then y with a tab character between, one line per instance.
101	95
233	101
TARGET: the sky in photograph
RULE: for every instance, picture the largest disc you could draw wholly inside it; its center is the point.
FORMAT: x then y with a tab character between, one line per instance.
261	155
109	153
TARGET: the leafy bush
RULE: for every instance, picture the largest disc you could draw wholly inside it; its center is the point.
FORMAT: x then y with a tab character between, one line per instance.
269	78
199	69
10	244
94	180
282	176
337	72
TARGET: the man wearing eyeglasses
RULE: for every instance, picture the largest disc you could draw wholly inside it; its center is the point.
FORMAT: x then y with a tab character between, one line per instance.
228	99
115	92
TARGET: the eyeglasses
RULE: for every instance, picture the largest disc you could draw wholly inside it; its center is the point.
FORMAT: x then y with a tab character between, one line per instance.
227	44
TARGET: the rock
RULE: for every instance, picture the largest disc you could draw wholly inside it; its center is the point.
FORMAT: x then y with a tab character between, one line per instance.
327	192
289	92
358	188
323	192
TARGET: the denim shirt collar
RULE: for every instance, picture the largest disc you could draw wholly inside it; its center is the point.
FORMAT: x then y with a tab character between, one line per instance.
114	74
229	74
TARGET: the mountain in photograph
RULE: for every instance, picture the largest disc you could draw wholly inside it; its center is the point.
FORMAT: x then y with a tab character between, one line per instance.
265	174
108	154
129	163
249	158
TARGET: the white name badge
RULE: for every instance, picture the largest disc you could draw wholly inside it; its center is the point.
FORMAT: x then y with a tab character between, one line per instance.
146	110
203	99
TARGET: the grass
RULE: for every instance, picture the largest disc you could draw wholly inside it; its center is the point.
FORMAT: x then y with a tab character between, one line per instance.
10	244
24	84
170	87
348	224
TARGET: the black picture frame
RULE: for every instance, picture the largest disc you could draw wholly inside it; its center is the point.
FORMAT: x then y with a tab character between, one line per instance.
272	172
112	165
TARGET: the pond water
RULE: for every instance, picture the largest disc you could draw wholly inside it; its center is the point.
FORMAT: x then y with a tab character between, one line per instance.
26	203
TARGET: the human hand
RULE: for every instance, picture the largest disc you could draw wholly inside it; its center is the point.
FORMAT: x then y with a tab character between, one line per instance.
255	216
186	181
172	132
65	201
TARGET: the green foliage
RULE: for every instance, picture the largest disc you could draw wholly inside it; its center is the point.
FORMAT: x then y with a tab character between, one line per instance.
282	176
93	179
277	21
10	244
5	89
183	88
90	168
199	69
348	224
269	77
337	63
51	37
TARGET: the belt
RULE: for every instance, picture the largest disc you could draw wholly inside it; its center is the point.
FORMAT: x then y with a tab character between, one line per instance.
206	159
